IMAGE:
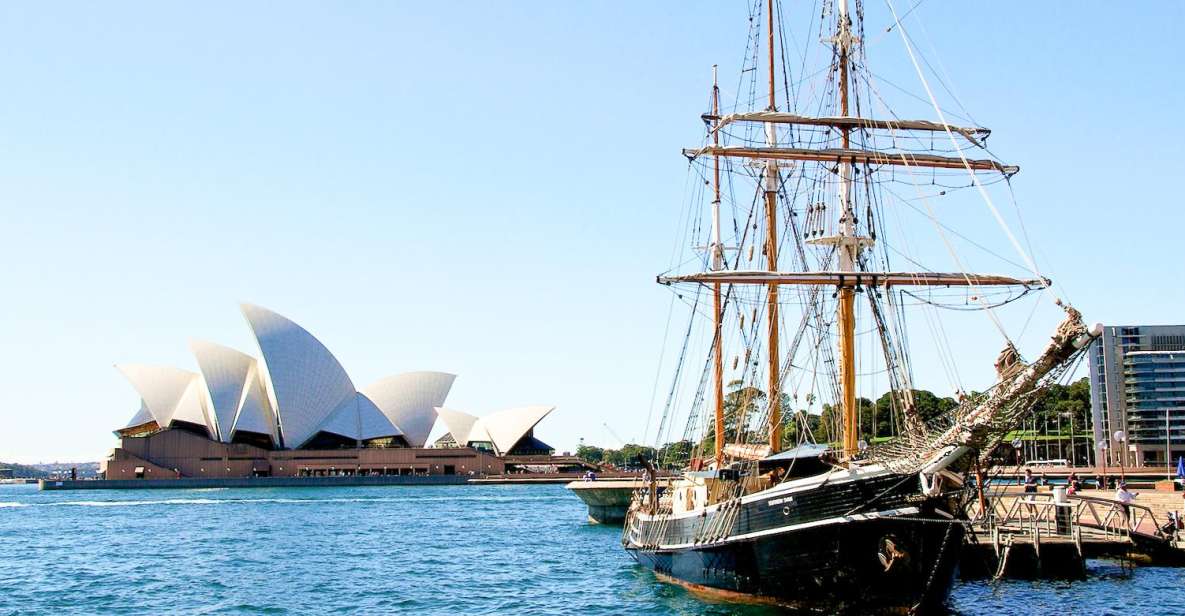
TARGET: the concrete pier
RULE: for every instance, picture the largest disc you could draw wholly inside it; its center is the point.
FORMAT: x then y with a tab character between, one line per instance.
608	500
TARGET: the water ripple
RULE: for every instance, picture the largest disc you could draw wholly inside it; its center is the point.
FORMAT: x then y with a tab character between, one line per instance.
425	550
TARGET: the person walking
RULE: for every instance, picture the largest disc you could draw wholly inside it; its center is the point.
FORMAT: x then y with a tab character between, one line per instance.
1030	482
1073	485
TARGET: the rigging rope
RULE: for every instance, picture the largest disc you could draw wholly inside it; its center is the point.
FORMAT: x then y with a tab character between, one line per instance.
942	118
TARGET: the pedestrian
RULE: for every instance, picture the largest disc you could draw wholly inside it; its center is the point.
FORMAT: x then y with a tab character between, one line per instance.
1030	482
1181	516
1073	486
1125	498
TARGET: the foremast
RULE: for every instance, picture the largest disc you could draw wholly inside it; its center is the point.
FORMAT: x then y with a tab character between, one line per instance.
771	252
717	254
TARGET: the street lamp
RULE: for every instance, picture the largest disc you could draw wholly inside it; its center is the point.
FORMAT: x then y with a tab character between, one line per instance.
1101	458
1168	454
1120	438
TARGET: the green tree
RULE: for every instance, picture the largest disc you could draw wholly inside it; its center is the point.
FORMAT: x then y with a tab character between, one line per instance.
797	425
674	455
741	404
628	455
590	454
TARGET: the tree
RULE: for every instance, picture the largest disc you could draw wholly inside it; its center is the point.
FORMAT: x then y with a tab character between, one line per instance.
797	425
627	456
674	455
741	404
591	454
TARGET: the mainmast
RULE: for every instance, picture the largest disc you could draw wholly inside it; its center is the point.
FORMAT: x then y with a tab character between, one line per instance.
771	252
849	245
843	272
717	251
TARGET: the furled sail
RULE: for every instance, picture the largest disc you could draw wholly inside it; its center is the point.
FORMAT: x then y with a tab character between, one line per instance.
973	134
854	156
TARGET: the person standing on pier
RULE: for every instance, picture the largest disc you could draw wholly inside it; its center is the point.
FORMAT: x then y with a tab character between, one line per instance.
1030	482
1125	498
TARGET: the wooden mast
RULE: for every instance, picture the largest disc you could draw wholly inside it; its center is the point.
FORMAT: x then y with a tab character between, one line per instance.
848	245
717	264
771	253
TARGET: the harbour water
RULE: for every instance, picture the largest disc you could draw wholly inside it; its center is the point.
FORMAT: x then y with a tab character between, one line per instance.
433	550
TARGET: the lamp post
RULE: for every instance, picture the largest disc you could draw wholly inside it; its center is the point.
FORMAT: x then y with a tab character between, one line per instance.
1120	438
1072	449
1168	455
1101	459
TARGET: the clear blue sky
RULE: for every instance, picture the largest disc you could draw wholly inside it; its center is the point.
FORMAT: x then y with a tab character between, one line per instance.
481	188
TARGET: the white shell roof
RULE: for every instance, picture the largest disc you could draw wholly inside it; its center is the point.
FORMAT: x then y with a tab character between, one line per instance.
507	427
358	418
225	371
298	389
409	400
308	382
503	428
372	422
344	420
141	417
255	411
192	406
458	424
161	388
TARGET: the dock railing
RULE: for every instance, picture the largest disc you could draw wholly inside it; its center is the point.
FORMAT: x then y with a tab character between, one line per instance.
1040	514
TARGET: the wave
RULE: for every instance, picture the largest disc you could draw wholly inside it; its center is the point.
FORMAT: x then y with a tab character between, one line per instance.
137	503
281	501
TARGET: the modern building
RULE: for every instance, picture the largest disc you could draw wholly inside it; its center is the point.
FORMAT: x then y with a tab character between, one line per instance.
1137	389
295	411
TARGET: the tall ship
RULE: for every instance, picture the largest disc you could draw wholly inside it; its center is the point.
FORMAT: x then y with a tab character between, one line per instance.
818	250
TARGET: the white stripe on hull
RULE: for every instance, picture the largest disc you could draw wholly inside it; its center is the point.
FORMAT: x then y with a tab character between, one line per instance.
888	513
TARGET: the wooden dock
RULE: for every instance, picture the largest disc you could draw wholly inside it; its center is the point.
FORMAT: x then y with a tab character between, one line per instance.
1048	535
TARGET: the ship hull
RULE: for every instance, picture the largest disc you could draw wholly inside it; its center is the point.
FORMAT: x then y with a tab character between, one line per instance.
899	560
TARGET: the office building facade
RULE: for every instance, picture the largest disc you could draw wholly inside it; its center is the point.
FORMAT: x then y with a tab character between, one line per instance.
1137	389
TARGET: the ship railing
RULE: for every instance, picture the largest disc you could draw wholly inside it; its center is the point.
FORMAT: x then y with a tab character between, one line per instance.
647	535
720	524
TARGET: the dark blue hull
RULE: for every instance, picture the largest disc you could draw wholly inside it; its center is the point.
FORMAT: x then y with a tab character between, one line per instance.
834	570
879	560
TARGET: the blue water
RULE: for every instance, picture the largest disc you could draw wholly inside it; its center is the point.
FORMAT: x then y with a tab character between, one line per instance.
433	550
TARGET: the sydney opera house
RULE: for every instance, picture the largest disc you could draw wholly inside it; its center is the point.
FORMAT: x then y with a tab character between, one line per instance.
294	411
